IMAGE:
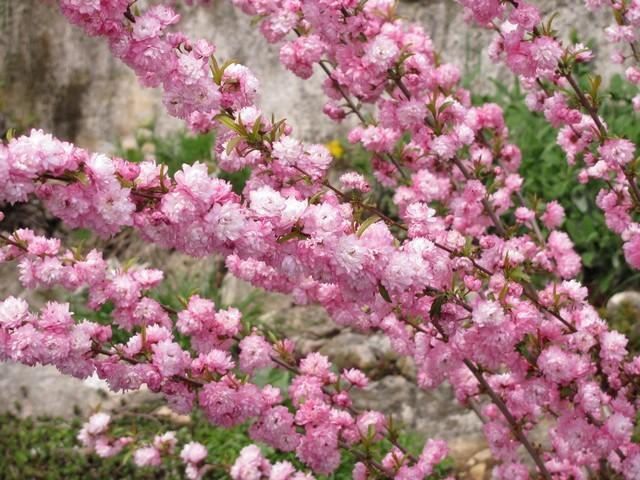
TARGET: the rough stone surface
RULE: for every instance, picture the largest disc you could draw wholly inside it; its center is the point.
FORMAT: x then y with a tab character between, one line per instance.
434	413
628	299
43	391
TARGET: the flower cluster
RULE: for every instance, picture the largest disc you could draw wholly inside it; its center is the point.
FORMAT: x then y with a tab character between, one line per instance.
447	276
526	45
96	437
322	422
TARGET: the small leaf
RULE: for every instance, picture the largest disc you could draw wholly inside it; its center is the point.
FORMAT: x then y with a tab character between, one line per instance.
519	275
129	263
257	19
444	106
272	338
436	306
215	70
366	224
255	132
384	293
316	198
81	177
228	122
292	235
232	144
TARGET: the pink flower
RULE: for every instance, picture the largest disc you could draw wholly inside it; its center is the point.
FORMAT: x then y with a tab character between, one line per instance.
381	53
250	465
169	357
553	215
354	181
98	423
617	151
300	54
13	312
355	377
316	365
276	428
546	52
487	313
193	452
255	353
525	15
147	457
562	366
632	251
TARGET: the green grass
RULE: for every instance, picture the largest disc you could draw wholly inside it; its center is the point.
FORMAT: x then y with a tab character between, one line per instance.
46	448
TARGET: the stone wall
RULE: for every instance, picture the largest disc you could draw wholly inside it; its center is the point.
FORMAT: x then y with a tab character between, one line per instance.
54	77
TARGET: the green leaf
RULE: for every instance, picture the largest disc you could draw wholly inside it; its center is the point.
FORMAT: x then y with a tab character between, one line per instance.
232	144
384	293
255	132
366	224
229	122
291	236
436	306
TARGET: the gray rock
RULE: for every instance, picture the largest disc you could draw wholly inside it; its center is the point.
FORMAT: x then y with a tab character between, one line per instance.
623	313
628	299
370	353
43	391
433	413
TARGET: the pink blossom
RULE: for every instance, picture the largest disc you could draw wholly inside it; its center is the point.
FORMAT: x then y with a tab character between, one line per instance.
193	452
255	352
147	457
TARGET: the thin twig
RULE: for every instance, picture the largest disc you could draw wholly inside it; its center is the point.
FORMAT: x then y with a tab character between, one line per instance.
355	109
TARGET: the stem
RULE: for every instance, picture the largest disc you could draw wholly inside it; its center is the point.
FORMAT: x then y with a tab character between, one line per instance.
365	459
485	202
8	241
593	113
513	423
536	227
190	381
476	409
355	109
588	106
402	87
498	402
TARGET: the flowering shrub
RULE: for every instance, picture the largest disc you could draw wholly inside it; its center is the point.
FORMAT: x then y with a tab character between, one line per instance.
474	284
549	177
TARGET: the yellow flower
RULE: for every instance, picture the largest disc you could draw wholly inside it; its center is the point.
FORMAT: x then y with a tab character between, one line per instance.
335	148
